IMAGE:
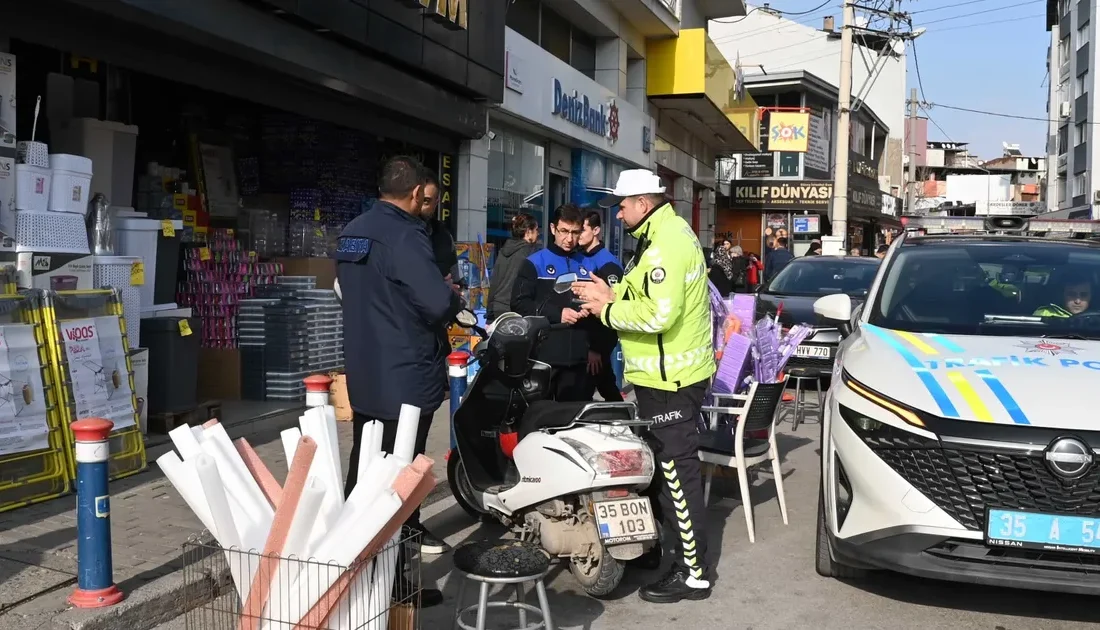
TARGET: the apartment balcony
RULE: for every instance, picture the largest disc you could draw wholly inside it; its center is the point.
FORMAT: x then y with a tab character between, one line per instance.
652	18
717	9
1063	161
690	81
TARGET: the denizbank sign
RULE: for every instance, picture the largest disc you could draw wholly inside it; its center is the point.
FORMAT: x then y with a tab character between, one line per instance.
602	120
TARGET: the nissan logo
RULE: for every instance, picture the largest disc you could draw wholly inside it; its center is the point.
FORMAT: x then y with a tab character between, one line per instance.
1069	458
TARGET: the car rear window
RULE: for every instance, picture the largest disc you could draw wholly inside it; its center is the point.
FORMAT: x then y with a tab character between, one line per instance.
824	276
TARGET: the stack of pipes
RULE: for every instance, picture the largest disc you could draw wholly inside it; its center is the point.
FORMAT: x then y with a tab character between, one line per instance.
268	530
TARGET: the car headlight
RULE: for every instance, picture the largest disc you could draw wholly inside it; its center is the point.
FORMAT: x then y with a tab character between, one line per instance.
904	414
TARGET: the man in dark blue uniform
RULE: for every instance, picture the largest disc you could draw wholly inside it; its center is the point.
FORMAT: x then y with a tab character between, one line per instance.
533	294
602	340
395	302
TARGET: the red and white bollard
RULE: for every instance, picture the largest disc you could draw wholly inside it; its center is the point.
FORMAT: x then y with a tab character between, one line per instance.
317	390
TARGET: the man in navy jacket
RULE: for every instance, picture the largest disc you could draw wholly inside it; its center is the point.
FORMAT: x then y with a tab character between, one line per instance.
395	303
602	340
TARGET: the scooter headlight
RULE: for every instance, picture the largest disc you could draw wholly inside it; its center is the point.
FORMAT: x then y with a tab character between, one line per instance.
618	463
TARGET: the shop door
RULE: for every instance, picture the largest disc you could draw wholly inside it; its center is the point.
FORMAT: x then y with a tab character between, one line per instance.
559	191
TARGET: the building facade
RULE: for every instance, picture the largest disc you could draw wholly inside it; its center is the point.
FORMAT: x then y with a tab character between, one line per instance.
767	43
1072	151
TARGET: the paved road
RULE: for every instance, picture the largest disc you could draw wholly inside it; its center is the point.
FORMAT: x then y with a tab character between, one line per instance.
772	584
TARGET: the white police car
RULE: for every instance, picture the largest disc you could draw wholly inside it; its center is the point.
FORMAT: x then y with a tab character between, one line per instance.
962	431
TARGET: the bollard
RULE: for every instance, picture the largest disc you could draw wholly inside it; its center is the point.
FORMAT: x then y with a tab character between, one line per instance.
95	586
617	365
317	390
456	374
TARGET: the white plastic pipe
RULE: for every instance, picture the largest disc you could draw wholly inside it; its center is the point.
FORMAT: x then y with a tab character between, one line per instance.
333	439
404	445
255	495
381	588
295	551
341	548
183	438
290	439
368	449
182	477
197	431
207	472
246	513
313	425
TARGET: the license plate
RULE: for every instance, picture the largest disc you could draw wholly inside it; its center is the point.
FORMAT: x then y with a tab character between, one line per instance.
1046	532
813	352
625	520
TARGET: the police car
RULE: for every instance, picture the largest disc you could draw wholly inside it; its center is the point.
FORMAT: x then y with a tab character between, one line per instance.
961	434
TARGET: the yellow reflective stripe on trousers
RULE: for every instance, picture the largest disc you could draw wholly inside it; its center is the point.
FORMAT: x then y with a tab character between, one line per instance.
683	519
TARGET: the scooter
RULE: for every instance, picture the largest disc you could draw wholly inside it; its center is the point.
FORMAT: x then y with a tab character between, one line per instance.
563	475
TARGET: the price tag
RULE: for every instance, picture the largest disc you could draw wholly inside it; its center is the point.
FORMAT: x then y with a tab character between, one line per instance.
137	273
167	228
252	255
316	214
204	253
229	231
185	328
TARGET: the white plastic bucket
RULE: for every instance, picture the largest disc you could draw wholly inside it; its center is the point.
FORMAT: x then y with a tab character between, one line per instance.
70	190
32	188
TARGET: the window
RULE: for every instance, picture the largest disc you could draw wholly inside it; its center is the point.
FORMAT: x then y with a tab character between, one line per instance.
788	164
1063	47
859	137
523	18
582	55
556	38
823	276
945	287
1067	6
1080	185
1082	36
1063	139
1080	132
1061	182
516	170
1080	85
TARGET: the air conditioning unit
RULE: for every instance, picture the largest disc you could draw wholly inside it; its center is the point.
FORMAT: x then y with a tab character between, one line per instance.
1096	196
1063	109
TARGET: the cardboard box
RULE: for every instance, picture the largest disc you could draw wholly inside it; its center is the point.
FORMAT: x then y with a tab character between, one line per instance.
54	272
139	361
219	374
324	269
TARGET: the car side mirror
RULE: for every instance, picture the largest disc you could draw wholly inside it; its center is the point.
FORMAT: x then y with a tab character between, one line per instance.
835	310
564	283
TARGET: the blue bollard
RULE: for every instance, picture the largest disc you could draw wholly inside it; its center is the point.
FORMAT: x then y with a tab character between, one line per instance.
95	585
456	374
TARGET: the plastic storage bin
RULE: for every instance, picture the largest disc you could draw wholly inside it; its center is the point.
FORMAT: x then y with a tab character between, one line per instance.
32	188
144	238
70	188
112	148
116	272
173	365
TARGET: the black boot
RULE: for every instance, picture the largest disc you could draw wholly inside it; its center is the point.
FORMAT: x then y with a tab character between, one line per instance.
429	543
675	586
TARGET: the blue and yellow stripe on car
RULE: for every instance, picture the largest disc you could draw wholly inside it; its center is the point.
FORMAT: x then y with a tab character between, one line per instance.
908	344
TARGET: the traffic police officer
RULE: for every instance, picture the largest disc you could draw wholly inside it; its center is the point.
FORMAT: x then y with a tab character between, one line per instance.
661	310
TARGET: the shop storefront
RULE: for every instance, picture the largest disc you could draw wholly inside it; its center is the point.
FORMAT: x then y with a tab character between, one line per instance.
559	137
760	209
248	134
872	213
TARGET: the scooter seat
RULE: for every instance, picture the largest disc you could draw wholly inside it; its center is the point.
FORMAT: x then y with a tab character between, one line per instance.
548	414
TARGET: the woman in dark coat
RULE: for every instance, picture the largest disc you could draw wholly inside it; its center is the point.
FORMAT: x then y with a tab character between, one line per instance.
524	242
721	267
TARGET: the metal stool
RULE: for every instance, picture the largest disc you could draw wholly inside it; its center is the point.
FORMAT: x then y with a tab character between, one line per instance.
507	562
799	375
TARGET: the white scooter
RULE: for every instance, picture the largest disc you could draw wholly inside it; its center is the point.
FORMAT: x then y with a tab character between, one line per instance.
566	476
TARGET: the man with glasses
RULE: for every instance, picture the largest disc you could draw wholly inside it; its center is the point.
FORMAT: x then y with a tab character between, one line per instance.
533	294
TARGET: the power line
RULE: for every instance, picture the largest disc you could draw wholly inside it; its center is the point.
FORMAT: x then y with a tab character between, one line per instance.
778	26
948	6
927	105
985	24
916	66
782	13
998	9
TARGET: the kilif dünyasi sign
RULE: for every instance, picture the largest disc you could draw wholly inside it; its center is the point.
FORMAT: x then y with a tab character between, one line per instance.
780	195
601	119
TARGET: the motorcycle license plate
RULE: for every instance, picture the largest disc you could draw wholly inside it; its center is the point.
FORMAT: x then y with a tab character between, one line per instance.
625	520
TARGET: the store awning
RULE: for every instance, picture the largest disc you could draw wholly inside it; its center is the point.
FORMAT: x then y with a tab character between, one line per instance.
693	84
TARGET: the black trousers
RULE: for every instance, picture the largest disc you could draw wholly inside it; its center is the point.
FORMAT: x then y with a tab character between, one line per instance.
678	478
389	436
571	383
604	382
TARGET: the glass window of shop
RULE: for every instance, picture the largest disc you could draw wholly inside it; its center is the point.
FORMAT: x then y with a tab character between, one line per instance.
517	169
554	33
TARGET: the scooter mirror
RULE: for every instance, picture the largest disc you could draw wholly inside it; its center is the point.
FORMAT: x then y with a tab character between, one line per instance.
565	283
466	318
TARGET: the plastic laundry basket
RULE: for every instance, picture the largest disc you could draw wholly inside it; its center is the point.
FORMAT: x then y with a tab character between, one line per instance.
117	272
32	188
70	190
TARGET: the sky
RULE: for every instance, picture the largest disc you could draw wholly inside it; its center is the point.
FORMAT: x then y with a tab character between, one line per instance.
987	55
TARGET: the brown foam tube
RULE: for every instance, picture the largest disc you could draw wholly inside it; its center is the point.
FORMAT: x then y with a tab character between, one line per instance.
412	495
213	422
268	485
276	539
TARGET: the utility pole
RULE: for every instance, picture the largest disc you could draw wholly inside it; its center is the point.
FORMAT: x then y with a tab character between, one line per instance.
844	126
911	189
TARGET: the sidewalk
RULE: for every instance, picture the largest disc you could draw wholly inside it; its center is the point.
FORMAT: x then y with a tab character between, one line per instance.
150	524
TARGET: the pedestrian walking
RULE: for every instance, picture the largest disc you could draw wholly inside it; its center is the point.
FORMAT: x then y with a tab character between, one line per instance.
565	349
755	271
512	255
777	259
602	340
721	266
662	314
740	279
395	302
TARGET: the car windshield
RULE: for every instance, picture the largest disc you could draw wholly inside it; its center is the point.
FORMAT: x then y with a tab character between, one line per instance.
816	276
1010	287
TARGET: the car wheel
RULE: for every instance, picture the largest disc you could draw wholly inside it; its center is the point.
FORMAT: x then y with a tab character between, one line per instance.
825	565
